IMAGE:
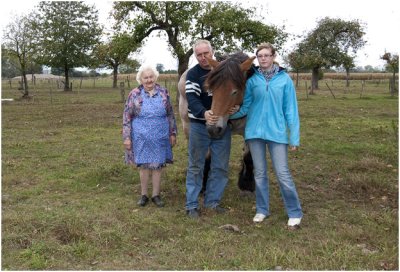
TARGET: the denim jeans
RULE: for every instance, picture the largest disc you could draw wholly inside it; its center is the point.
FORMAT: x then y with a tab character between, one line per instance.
199	144
279	158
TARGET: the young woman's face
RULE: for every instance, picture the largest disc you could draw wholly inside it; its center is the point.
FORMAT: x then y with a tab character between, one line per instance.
265	58
148	80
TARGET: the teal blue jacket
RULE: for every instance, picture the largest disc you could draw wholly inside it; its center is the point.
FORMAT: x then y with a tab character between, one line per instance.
271	109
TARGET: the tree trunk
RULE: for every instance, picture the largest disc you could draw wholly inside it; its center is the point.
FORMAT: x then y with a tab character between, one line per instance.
115	75
297	78
66	83
182	67
314	79
347	77
25	84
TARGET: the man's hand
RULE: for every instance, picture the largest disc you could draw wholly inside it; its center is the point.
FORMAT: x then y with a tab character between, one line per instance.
210	118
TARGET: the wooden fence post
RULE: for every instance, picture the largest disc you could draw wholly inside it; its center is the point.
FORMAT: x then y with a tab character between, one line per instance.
122	91
330	90
362	87
305	82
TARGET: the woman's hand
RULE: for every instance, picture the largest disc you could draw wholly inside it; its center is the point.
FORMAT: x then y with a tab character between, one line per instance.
128	144
234	109
172	140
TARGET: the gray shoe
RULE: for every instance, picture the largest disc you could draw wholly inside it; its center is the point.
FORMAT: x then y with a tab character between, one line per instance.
157	200
143	200
193	213
219	209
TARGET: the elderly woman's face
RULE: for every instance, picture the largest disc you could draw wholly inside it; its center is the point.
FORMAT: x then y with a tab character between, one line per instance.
148	80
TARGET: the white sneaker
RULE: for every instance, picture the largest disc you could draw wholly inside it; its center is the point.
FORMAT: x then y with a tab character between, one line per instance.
294	222
259	218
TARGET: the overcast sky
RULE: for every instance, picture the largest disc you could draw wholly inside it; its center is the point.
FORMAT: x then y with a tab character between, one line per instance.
381	17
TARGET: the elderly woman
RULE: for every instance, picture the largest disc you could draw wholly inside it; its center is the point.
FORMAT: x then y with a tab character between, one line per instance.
149	131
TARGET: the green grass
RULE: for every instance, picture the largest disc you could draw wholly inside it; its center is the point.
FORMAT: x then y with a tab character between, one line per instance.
68	201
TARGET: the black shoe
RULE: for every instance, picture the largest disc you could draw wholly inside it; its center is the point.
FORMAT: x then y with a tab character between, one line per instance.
143	200
157	200
193	213
219	209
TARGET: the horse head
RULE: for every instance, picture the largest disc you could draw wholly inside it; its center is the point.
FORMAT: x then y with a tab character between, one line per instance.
227	83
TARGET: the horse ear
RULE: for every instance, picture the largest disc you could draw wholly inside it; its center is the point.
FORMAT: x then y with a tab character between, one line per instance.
247	64
213	63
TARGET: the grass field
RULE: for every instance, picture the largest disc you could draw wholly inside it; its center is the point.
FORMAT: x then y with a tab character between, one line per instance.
69	202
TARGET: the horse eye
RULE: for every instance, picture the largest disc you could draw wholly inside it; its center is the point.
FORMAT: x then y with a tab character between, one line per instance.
234	92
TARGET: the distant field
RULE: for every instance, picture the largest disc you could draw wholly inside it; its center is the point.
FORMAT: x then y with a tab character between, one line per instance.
69	202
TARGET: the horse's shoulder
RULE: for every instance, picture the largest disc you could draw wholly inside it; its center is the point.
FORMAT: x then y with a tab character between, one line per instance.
182	82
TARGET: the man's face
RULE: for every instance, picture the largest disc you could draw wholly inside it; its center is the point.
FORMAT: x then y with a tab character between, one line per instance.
201	52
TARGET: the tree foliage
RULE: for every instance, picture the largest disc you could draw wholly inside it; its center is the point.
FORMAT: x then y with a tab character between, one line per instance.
330	44
227	26
66	34
129	66
9	64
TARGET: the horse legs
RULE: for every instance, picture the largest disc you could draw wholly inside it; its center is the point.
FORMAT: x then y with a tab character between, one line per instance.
246	176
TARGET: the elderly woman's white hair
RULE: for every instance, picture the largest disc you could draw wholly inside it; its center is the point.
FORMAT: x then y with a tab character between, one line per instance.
146	67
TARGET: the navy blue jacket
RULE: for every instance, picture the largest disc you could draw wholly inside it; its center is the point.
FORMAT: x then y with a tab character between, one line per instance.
199	100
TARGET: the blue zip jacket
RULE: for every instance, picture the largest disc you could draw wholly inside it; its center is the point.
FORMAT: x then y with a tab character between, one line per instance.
271	109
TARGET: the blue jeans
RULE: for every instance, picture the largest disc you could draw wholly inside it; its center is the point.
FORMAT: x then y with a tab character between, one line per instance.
199	144
279	158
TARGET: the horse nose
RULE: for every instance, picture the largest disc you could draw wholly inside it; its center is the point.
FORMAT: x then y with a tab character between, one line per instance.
215	132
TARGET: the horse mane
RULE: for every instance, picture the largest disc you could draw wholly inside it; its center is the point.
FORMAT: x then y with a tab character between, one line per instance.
228	70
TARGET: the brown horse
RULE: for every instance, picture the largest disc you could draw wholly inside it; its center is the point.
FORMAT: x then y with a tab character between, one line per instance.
226	82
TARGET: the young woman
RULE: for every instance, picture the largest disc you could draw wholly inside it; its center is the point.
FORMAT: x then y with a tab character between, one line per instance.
271	107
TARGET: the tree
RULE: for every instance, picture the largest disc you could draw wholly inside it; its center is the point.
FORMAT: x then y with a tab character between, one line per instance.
66	34
228	27
9	64
330	44
18	36
114	53
160	67
348	63
392	66
296	62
